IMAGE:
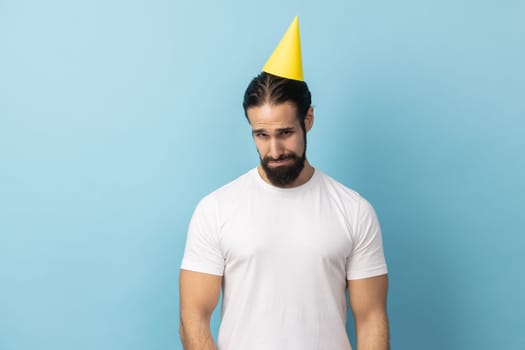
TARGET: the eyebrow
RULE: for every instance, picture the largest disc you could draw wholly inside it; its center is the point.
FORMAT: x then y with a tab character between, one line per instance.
256	131
290	128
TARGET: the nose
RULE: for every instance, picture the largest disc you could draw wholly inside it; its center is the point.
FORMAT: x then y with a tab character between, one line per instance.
276	148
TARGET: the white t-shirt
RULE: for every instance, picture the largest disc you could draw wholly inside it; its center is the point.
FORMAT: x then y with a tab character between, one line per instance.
285	256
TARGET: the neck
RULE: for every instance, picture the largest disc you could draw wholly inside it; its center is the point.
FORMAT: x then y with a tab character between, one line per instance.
305	175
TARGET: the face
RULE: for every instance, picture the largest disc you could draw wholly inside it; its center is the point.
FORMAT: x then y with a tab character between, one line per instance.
280	141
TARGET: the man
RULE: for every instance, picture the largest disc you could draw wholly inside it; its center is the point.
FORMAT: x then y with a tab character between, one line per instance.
284	241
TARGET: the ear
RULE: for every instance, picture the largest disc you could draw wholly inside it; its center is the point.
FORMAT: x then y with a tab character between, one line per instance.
309	119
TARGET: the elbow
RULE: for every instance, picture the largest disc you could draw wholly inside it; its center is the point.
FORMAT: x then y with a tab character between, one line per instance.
193	325
181	332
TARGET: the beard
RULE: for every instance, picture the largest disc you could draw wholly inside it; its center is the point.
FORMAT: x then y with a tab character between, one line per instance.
284	175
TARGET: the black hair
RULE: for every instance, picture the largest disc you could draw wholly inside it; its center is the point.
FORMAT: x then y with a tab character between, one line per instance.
269	88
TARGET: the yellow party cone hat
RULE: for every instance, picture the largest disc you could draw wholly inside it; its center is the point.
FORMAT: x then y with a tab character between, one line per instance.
285	60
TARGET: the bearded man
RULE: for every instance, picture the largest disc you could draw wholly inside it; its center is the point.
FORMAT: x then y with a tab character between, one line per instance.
284	242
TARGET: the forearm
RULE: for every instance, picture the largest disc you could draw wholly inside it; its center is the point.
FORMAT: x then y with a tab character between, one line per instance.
373	333
196	335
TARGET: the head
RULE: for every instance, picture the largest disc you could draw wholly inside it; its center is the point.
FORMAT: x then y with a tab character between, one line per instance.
280	114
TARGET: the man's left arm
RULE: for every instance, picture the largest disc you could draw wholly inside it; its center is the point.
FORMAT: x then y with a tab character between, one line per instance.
368	304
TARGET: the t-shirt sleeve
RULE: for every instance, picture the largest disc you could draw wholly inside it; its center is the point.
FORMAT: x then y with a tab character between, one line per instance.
202	252
367	258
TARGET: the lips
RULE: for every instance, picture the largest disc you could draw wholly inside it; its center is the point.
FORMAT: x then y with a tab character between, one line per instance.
276	163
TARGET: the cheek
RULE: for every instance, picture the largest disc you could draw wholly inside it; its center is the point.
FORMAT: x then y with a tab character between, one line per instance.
297	144
260	147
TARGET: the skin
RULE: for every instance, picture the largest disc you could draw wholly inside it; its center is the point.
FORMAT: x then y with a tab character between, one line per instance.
277	131
199	295
368	303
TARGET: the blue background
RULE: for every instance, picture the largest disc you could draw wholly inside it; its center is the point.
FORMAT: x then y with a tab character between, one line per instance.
116	117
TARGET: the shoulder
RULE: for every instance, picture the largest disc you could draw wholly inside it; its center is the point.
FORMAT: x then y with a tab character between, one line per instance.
351	203
340	191
233	188
229	192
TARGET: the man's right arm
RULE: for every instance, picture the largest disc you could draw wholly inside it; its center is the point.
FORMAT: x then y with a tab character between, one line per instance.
199	294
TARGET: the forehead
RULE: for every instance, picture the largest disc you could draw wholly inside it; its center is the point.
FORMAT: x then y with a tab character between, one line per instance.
273	116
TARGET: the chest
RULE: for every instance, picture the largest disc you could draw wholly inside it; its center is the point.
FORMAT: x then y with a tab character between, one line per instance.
294	234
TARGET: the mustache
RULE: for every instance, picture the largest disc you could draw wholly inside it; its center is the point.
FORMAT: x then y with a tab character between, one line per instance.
281	157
